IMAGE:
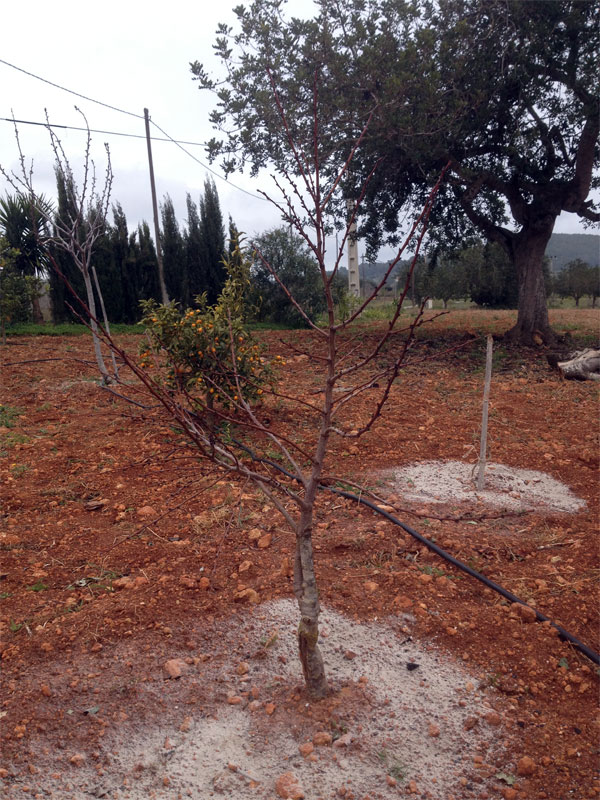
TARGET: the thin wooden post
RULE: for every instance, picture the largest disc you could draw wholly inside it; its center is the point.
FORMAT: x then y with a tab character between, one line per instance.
161	272
484	414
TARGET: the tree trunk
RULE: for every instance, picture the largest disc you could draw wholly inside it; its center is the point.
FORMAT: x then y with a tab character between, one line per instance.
305	589
580	366
38	317
533	325
105	320
93	325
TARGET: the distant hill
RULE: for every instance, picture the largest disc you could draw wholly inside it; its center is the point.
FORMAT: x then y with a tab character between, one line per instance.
375	272
565	247
562	248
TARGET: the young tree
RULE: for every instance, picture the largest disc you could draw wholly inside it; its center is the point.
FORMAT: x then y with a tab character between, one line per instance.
419	283
576	280
594	284
446	278
79	224
504	90
289	258
60	295
209	372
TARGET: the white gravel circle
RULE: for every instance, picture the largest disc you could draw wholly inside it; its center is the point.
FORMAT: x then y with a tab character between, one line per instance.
422	723
505	487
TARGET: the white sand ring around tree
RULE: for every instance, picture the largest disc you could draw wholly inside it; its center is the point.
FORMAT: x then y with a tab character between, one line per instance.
416	722
505	487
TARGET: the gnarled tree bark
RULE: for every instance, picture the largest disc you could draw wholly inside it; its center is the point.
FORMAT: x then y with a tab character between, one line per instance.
533	325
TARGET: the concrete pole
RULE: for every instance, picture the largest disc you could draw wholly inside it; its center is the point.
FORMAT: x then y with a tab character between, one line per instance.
353	271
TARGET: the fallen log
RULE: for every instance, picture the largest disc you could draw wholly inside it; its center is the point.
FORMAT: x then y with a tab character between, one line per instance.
582	365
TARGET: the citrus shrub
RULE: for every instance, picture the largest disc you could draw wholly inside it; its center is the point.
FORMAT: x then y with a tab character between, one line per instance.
208	352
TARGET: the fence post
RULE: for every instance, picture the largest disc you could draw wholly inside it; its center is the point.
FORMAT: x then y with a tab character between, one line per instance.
484	414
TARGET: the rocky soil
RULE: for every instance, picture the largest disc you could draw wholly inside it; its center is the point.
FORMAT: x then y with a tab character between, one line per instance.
147	618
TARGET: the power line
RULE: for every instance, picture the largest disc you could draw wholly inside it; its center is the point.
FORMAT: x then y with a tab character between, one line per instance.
202	164
166	138
70	91
129	113
95	130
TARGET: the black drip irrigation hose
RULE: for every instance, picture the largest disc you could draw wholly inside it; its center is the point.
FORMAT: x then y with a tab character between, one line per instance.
564	635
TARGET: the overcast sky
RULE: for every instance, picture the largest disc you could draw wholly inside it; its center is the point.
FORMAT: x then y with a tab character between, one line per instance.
128	55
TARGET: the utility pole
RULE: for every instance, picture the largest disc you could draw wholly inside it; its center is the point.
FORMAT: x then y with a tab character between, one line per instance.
353	271
161	271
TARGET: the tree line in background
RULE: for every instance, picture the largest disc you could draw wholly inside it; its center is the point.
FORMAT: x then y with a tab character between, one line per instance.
125	262
127	269
483	274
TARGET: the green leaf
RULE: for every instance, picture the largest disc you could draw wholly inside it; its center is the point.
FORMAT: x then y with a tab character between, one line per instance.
37	587
563	663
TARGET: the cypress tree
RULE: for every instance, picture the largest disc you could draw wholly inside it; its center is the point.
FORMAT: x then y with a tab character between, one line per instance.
213	241
173	251
124	265
234	236
104	261
195	263
146	264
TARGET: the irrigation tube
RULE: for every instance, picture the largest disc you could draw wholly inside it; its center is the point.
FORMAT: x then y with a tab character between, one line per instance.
563	634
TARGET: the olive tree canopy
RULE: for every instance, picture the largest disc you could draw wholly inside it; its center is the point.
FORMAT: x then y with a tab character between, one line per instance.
504	90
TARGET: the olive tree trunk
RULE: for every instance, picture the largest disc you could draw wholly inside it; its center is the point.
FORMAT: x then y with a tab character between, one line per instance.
533	324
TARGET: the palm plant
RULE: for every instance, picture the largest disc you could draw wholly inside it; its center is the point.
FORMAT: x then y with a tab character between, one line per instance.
24	227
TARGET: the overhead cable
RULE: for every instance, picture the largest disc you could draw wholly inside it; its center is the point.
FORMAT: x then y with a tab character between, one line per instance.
96	130
131	114
206	167
70	91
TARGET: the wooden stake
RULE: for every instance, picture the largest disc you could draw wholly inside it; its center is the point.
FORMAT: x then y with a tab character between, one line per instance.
484	415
